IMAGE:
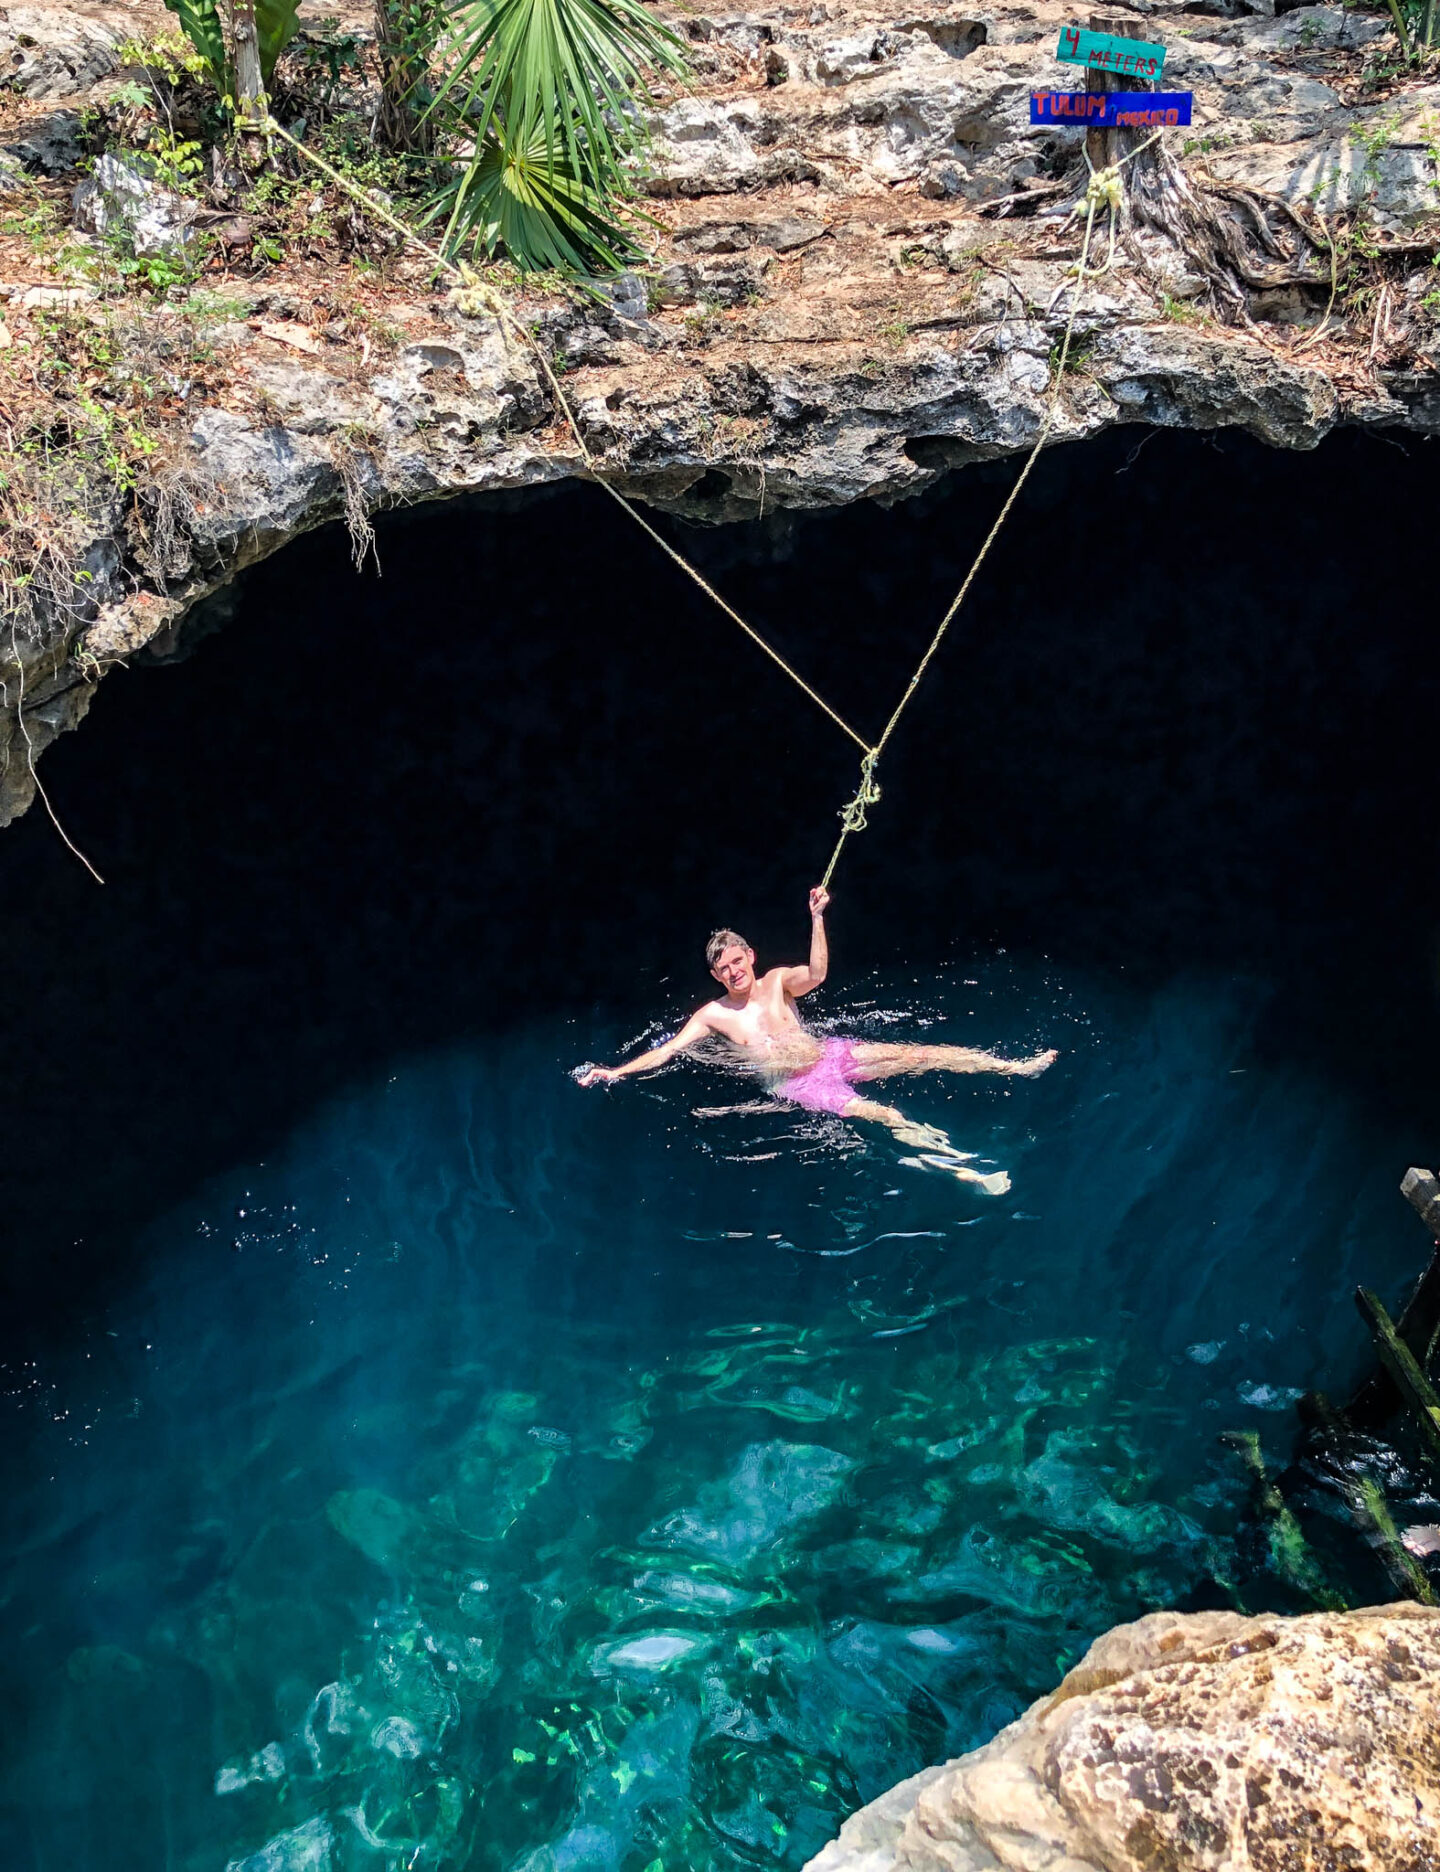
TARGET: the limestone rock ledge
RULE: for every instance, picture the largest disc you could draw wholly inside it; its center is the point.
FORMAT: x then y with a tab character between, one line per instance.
863	263
1194	1740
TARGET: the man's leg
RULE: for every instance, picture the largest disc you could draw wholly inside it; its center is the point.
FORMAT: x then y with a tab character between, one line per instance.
880	1060
940	1153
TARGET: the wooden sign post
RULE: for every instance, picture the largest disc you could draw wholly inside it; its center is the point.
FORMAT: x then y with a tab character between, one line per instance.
1104	147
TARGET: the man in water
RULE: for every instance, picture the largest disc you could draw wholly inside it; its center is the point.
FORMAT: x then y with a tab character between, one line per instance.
756	1016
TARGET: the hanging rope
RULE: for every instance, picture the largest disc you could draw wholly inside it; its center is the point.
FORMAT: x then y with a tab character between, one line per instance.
476	296
1103	191
482	298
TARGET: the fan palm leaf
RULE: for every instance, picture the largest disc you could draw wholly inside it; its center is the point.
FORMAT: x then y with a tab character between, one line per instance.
515	194
568	69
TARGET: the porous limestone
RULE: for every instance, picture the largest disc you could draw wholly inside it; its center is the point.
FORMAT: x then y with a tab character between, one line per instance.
1194	1742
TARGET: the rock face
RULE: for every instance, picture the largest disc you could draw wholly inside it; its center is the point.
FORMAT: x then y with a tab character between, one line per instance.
1201	1742
119	195
50	52
863	266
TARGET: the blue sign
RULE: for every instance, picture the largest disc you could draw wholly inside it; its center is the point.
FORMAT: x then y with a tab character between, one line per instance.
1108	110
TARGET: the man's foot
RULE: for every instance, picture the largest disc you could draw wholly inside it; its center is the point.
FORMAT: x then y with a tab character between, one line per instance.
928	1138
995	1184
1028	1068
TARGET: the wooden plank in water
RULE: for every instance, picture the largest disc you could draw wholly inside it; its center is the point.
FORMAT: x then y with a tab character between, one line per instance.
1419	1323
1365	1498
1400	1362
1291	1557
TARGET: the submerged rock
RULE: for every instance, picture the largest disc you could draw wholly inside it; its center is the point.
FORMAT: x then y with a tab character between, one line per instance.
772	1487
1199	1740
300	1849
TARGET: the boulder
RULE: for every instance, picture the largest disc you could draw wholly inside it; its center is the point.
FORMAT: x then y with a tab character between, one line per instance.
50	52
1193	1742
706	148
52	145
121	197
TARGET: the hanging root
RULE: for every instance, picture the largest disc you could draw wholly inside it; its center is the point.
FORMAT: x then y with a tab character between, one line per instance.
351	463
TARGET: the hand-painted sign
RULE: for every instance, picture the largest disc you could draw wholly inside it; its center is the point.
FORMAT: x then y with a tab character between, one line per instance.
1130	58
1106	109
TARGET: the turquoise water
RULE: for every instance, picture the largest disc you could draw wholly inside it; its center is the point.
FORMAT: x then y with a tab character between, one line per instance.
413	1463
503	1475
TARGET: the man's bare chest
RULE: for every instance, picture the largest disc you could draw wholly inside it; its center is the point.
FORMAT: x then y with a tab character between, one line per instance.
757	1024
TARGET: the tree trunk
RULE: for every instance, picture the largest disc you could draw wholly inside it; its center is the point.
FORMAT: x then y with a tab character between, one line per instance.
403	67
252	107
1238	240
249	85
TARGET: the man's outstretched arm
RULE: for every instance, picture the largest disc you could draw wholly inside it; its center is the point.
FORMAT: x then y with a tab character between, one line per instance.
800	981
694	1029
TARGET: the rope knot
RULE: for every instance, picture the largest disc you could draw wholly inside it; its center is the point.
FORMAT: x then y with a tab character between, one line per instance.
472	297
1106	189
852	813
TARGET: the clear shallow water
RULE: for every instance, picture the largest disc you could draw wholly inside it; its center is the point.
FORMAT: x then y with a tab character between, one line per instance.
502	1475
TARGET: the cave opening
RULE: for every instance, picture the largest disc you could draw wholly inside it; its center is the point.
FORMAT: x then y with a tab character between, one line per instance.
342	1330
1181	723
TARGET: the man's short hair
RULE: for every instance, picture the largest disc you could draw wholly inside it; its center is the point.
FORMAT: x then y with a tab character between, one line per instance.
722	940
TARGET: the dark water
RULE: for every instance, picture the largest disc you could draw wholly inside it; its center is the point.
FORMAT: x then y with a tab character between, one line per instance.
412	1461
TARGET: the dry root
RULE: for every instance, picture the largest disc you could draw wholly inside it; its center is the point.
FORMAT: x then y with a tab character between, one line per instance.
351	463
1239	240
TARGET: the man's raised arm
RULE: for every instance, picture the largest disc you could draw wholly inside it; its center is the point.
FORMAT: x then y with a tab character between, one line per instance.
799	981
694	1029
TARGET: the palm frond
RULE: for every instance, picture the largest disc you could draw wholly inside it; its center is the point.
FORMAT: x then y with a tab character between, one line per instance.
570	68
515	195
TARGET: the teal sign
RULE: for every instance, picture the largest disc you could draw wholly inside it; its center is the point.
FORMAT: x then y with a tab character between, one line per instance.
1127	58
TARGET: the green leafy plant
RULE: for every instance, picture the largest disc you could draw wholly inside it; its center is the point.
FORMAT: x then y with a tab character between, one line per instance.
276	24
175	161
519	195
170	56
548	92
407	34
326	55
200	22
1417	25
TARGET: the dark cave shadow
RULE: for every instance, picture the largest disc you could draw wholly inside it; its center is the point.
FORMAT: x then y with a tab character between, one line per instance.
1181	725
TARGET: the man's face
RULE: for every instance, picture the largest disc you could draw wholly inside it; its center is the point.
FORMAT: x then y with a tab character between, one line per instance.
735	968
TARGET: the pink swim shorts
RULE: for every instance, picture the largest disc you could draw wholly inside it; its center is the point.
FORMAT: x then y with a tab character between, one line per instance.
825	1086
